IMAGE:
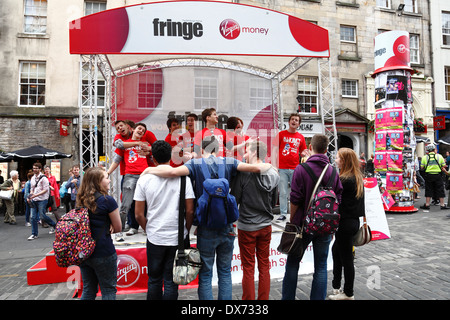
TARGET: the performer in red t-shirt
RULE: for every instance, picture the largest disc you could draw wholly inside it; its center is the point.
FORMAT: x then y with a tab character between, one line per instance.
289	145
236	140
211	119
174	138
188	137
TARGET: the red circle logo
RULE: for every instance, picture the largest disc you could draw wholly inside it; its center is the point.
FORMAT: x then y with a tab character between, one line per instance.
229	29
128	271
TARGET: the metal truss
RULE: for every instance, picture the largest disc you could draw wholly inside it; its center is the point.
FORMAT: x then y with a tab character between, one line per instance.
91	65
326	98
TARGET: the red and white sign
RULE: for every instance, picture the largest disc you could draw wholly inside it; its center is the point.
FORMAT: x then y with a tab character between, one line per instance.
375	214
439	123
197	27
392	51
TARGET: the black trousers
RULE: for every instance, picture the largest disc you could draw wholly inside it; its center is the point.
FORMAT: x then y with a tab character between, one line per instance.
343	255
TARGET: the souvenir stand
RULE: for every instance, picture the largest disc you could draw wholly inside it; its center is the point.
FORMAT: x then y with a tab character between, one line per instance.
395	142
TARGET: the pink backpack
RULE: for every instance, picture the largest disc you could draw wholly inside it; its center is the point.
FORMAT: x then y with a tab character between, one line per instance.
322	217
73	240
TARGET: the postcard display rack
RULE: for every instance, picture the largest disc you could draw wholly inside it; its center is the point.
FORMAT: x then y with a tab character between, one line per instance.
395	142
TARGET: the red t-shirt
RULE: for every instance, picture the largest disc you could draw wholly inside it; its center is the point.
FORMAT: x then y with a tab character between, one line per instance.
148	136
134	163
290	146
218	133
234	140
188	141
173	141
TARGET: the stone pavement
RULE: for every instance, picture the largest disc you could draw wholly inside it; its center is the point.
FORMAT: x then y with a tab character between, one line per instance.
412	265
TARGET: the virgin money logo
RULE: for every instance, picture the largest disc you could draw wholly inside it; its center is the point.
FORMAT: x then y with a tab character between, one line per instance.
128	271
401	48
229	29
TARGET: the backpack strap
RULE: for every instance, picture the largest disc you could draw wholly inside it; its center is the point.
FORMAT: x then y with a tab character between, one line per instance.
221	170
205	170
319	181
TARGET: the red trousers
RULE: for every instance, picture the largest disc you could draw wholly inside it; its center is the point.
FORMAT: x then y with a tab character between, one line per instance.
251	244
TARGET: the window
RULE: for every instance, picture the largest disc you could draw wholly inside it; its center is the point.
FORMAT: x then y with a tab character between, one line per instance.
411	6
35	16
150	86
384	4
94	7
260	94
446	28
307	95
205	89
447	83
32	84
414	48
350	88
348	34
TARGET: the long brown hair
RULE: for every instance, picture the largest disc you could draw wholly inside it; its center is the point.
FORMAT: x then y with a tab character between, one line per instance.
350	168
90	184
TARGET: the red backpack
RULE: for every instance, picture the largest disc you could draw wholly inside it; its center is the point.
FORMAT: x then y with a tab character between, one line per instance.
322	217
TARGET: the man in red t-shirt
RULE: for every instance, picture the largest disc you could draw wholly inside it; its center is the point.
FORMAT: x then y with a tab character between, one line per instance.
210	117
188	137
289	145
174	139
133	160
236	140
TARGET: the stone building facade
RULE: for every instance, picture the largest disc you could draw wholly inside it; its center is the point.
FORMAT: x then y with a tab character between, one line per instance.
40	79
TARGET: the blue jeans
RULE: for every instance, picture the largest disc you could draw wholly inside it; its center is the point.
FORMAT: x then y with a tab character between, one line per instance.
212	242
39	212
99	271
285	180
160	272
321	247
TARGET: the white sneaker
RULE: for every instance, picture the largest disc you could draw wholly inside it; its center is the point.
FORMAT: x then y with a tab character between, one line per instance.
341	296
131	232
51	231
27	224
32	237
119	237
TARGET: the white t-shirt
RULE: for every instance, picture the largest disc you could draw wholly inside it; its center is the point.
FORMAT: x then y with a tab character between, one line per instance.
162	196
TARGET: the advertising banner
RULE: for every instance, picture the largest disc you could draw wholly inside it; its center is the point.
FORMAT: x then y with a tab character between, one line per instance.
392	51
196	27
375	215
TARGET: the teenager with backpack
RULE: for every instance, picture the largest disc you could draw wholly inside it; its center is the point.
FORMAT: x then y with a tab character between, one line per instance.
350	209
100	269
215	242
302	187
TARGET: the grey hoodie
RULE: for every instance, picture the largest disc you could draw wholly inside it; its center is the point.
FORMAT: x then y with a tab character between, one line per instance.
256	195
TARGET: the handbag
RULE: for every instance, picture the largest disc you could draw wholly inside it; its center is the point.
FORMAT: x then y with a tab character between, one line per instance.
6	194
187	263
363	236
291	240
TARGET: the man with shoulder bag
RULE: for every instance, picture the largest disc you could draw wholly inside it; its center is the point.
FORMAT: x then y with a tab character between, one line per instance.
302	188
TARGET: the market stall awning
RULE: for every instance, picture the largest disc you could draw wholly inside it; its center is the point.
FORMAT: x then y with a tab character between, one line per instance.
34	152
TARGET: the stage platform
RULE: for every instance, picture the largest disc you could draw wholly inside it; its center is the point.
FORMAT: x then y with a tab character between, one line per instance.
132	264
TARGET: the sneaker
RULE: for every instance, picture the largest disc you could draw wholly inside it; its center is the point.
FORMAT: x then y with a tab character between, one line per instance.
341	296
27	224
281	218
131	232
32	237
119	237
425	207
127	227
51	231
444	208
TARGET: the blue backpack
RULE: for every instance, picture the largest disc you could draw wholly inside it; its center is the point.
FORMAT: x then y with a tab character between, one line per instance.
216	207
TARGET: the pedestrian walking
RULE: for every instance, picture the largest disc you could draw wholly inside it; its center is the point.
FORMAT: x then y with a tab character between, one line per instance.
13	183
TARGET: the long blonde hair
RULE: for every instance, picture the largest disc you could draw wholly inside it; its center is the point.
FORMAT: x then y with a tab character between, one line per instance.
90	184
350	168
